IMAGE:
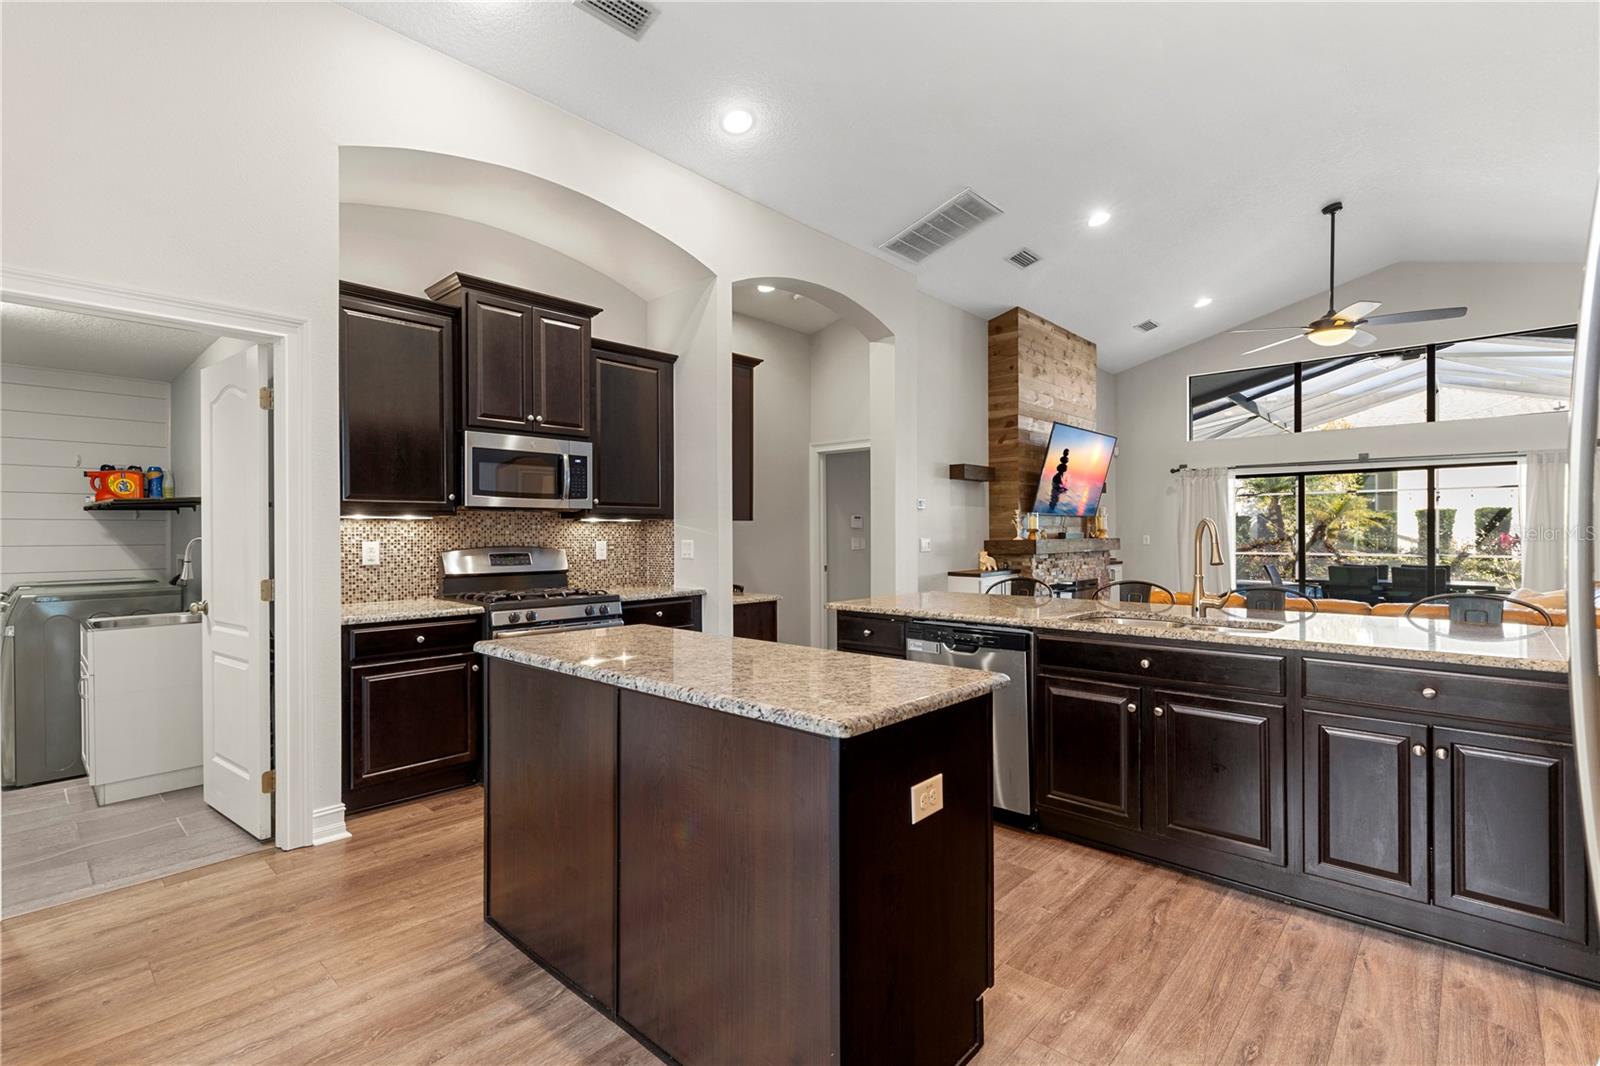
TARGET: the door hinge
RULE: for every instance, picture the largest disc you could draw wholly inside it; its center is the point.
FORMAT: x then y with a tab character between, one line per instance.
269	781
268	587
266	397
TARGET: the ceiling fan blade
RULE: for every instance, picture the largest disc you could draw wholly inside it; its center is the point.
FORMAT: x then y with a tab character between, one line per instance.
1433	314
1360	339
1359	309
1273	344
1268	329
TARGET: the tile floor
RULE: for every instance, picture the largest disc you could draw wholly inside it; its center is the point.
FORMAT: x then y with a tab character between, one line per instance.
57	845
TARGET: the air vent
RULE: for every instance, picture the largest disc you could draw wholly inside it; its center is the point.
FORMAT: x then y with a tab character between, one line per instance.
629	16
1022	258
952	219
1146	326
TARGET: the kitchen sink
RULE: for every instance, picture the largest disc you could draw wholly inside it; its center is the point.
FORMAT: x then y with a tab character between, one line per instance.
1225	625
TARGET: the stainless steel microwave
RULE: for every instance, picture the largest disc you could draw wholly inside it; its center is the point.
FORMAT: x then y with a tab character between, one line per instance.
514	470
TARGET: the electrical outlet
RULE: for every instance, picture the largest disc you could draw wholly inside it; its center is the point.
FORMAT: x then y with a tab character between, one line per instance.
927	797
687	551
922	504
925	544
370	553
599	551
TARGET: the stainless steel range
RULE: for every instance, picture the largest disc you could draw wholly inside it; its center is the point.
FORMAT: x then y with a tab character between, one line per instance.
524	590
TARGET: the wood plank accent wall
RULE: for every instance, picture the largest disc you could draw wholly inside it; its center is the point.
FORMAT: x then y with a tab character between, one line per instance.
1039	373
55	424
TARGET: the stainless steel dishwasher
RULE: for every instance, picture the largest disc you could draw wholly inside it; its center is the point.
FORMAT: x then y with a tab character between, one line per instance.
999	651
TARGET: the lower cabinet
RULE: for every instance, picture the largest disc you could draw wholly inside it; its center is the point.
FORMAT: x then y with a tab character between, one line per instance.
679	612
412	719
1090	748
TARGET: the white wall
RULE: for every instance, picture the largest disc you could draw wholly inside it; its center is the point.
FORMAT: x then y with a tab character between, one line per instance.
771	553
952	427
1105	421
406	251
1152	398
55	425
840	402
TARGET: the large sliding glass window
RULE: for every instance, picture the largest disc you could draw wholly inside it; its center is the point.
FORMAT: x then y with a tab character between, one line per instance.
1523	373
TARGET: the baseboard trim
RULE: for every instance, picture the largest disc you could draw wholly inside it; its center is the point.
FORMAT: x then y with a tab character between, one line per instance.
327	825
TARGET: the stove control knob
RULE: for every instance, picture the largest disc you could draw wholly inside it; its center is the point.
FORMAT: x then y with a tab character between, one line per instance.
515	616
589	609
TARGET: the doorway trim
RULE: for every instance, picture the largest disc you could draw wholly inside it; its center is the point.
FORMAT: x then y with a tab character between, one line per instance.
293	538
820	635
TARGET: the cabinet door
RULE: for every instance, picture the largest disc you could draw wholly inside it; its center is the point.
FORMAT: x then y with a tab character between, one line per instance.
396	401
632	435
1090	750
1218	774
412	716
1366	802
744	437
1506	831
500	342
560	401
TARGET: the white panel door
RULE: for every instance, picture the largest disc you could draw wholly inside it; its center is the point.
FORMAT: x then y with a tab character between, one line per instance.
234	558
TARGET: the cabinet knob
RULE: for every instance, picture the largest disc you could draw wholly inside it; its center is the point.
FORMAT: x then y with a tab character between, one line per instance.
1418	750
1133	708
1144	664
864	632
538	418
1159	711
421	638
530	418
661	614
1429	693
1440	753
474	667
451	496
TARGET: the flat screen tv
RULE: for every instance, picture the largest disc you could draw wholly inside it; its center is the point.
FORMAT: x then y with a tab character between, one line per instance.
1075	465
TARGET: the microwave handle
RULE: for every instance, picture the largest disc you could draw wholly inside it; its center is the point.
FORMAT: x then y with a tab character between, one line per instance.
566	474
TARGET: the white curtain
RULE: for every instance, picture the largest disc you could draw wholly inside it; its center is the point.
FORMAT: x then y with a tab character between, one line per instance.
1544	520
1204	493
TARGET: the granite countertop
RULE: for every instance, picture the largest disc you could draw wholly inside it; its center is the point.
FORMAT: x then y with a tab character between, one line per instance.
743	599
1536	648
632	593
403	610
834	694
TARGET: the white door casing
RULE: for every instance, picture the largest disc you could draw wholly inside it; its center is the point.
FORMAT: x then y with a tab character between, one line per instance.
234	558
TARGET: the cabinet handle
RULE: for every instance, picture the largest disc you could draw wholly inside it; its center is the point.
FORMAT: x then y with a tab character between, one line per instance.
1429	693
864	632
451	496
474	667
1159	711
538	418
1133	708
1419	750
1144	664
421	638
1440	753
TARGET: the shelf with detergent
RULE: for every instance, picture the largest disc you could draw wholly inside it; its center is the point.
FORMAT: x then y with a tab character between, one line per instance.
154	503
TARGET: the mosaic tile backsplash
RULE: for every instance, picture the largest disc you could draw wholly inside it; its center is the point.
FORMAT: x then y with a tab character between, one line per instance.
637	553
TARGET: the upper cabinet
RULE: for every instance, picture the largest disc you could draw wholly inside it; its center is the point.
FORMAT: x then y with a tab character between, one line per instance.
525	357
744	437
397	371
632	431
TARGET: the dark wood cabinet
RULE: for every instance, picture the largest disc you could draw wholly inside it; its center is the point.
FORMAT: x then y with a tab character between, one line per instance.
756	621
677	612
1089	750
525	357
633	428
1217	775
870	634
1366	802
397	371
1507	841
412	710
744	437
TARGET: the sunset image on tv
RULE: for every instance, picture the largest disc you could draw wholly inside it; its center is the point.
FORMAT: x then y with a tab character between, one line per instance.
1074	473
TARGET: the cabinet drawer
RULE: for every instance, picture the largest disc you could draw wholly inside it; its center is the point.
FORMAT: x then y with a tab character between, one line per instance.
1161	662
677	614
871	633
1494	699
409	638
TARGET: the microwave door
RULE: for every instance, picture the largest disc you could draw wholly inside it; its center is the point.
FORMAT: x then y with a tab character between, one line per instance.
510	472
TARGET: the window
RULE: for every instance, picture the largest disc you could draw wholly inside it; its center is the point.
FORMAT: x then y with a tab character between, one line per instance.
1522	373
1375	535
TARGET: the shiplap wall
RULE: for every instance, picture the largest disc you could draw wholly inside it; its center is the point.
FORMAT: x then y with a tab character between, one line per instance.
55	424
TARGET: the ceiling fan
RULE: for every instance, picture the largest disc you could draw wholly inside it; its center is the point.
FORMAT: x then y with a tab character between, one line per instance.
1340	327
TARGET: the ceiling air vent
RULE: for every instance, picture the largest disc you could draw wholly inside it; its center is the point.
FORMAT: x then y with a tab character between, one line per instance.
1022	258
629	16
1146	326
952	219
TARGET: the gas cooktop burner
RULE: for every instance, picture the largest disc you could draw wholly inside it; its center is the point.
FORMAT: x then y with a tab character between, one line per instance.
491	596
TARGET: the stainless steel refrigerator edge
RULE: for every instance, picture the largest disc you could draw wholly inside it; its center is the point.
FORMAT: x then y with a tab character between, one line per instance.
1583	680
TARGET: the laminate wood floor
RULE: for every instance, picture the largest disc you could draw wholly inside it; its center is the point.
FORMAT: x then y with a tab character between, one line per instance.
373	950
57	845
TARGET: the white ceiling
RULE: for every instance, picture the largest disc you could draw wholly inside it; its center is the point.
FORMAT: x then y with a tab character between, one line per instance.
63	340
787	309
1212	132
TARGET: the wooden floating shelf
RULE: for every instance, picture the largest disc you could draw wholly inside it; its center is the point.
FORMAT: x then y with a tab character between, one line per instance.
971	472
154	503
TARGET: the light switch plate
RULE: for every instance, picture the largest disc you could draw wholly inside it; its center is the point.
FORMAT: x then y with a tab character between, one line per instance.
925	544
858	544
1147	538
857	521
370	553
927	797
687	550
599	551
922	503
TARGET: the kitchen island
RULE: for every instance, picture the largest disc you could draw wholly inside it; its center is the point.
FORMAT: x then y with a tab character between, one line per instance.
1417	775
744	851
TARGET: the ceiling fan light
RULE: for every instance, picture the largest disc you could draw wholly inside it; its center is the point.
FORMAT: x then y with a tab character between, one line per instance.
1329	336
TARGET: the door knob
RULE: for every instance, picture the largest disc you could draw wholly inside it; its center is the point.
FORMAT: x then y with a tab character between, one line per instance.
200	607
1159	711
1440	753
1133	708
1418	749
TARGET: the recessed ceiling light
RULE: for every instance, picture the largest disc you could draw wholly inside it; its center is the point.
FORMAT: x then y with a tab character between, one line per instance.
1099	217
738	121
766	288
1204	301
